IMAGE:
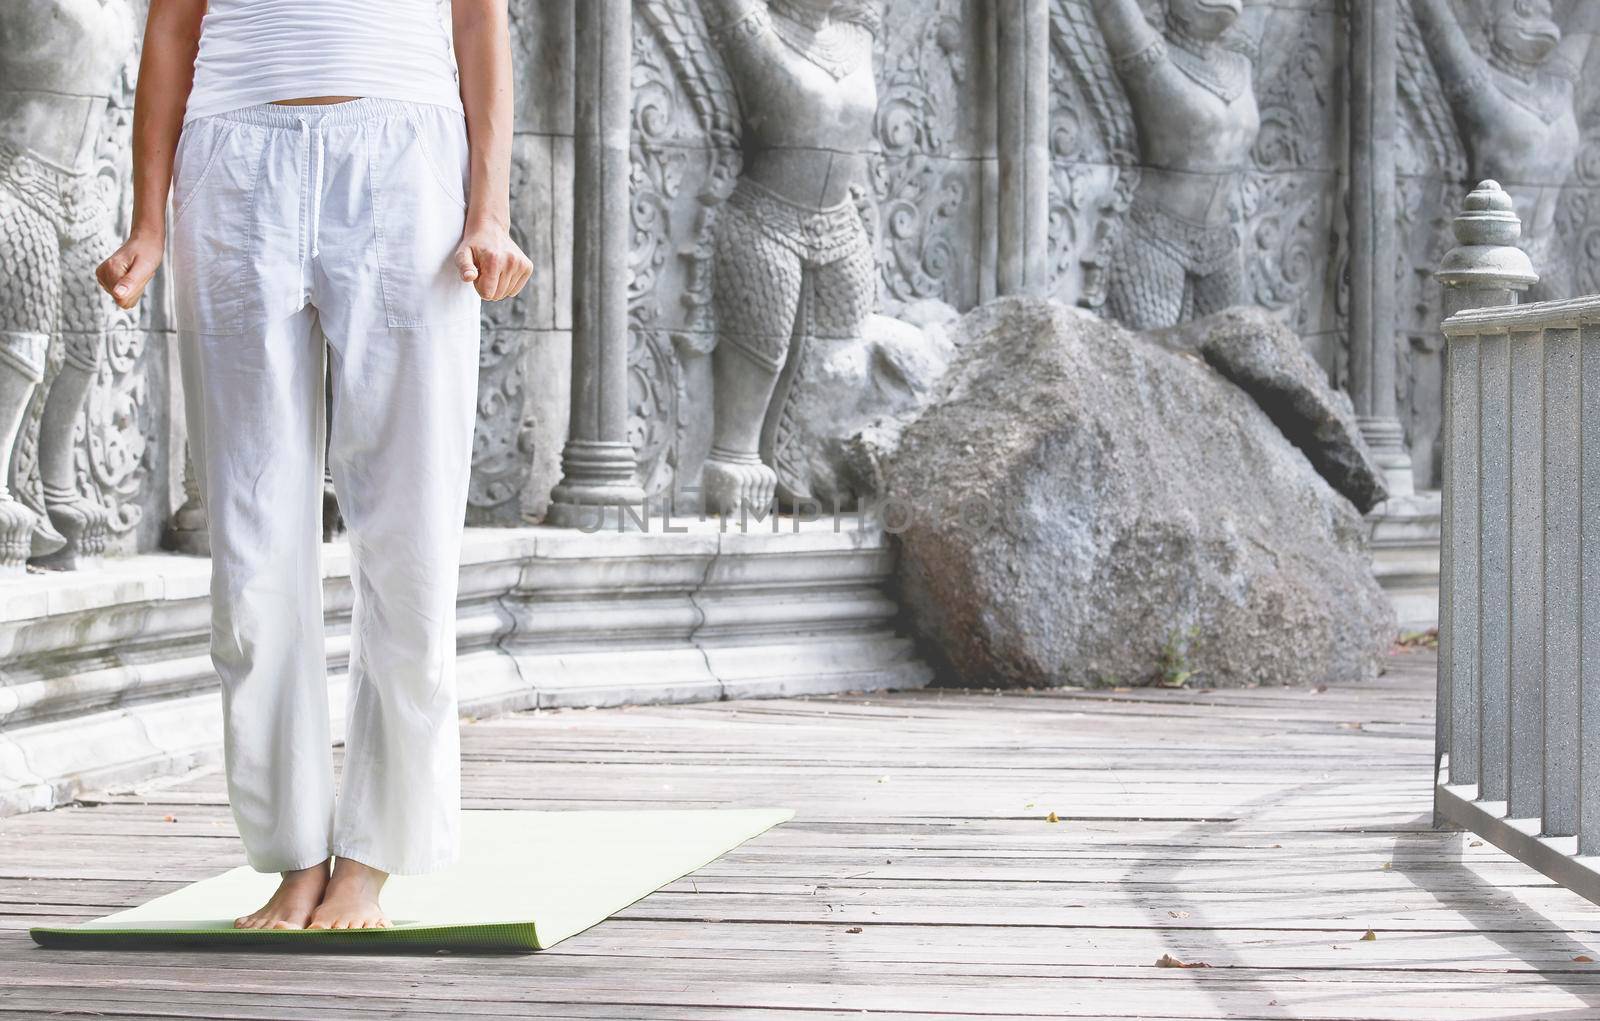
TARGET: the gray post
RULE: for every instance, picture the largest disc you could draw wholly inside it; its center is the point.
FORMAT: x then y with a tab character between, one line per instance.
1374	120
598	465
1022	32
1485	270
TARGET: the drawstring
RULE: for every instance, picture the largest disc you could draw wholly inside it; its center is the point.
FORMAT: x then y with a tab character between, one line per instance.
313	139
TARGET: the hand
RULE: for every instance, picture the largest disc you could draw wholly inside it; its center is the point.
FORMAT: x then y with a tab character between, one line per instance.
128	270
488	259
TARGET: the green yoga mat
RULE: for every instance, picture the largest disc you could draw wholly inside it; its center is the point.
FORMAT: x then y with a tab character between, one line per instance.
525	881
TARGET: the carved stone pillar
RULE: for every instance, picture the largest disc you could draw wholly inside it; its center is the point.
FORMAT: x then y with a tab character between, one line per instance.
1374	121
598	462
1022	105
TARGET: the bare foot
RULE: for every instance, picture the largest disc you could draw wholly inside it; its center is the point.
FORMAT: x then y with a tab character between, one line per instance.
351	900
291	906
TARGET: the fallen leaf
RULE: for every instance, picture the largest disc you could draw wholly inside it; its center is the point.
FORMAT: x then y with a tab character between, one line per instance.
1350	726
1319	689
1584	959
1052	817
169	818
1388	865
1428	639
1168	961
1178	914
1476	843
1369	937
854	928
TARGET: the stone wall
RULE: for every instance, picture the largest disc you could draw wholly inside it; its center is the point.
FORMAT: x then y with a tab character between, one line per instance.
931	196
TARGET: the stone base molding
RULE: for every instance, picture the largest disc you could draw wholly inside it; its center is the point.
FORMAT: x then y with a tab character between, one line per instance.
1404	536
107	678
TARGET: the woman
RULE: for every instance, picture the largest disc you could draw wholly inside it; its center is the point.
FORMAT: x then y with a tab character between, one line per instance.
340	191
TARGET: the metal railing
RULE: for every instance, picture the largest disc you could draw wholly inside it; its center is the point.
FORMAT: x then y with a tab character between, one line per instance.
1519	671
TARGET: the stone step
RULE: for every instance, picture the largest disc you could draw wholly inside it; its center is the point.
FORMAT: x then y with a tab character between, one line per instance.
105	675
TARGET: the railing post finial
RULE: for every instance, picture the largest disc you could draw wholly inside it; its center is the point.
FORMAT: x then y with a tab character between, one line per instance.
1486	269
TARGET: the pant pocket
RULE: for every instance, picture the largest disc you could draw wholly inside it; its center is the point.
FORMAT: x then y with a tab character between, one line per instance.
214	182
418	166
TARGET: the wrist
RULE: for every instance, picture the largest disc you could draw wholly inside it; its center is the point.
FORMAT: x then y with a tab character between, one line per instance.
488	219
151	233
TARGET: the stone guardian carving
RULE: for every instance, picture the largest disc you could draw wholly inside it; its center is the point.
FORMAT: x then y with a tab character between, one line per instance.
793	261
1513	94
60	61
1190	92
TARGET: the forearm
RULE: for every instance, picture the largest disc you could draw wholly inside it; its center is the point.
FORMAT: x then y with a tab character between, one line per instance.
1126	29
741	30
483	54
1445	38
1579	38
166	74
724	14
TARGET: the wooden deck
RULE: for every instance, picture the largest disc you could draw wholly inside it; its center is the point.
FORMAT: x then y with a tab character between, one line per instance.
1261	833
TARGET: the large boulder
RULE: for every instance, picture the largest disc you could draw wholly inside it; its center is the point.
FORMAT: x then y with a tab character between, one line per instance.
1082	505
1262	356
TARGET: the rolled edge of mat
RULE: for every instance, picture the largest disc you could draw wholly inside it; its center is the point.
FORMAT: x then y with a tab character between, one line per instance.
499	937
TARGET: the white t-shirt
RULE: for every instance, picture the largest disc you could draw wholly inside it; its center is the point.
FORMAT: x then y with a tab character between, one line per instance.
263	51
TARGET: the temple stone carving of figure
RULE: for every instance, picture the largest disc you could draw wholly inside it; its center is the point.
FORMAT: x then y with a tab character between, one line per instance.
60	61
1514	97
794	260
1191	86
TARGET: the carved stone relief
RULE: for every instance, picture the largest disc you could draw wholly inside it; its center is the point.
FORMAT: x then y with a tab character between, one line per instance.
1491	89
82	398
733	238
1151	221
1177	94
924	178
1272	234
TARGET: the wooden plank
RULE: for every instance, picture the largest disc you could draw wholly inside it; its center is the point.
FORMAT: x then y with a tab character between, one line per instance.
1261	832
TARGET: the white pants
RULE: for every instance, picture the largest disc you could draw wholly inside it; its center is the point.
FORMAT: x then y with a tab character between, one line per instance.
305	238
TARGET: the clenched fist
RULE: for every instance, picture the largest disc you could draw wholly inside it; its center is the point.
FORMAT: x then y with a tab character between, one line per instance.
128	270
489	260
